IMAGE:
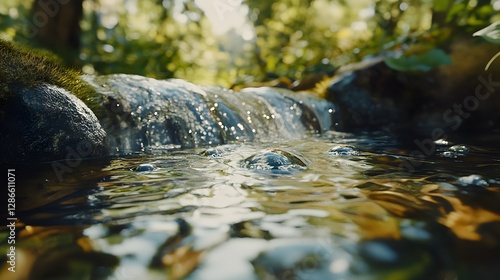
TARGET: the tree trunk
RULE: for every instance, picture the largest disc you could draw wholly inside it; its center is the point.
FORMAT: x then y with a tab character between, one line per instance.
58	26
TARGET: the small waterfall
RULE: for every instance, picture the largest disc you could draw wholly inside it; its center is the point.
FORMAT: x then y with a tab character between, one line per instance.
144	114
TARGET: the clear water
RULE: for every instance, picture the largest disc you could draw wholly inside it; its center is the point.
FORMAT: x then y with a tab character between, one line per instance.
344	206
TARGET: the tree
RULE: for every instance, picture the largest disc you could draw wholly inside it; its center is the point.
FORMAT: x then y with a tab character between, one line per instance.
58	26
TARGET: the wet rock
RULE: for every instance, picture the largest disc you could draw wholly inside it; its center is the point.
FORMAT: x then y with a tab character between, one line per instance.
268	160
452	98
144	167
369	95
42	116
275	160
343	151
46	123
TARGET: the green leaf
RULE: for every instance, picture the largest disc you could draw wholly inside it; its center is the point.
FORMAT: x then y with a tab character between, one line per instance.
441	5
490	33
419	62
455	10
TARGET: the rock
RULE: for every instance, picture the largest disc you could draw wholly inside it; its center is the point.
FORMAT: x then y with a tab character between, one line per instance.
146	167
368	96
42	115
47	123
456	98
276	160
343	151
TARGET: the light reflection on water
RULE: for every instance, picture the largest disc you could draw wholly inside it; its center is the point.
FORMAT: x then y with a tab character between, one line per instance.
206	214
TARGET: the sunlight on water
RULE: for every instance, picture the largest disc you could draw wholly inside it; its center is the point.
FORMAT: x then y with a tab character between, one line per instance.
336	206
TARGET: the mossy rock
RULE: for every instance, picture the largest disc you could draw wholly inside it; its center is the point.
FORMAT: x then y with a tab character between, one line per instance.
42	116
23	67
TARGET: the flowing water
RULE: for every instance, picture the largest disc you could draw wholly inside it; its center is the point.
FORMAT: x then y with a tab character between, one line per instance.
292	204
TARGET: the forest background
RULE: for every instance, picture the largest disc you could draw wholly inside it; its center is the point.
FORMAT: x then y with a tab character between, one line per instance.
228	42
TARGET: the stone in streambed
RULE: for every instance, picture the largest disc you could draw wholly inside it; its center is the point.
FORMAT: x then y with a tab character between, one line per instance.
275	160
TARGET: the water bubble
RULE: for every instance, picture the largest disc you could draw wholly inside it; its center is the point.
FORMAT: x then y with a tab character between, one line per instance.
343	151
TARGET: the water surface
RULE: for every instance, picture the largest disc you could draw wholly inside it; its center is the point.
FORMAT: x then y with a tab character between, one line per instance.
336	206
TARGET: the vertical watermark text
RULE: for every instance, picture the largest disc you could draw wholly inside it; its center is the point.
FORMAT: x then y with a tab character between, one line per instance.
11	219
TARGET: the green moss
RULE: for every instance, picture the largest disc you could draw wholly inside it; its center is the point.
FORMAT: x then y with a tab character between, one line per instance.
23	67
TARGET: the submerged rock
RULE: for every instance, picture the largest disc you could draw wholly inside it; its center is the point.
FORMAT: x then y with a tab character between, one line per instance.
146	167
343	151
275	160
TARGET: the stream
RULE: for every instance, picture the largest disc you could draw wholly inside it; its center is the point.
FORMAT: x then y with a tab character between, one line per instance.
256	185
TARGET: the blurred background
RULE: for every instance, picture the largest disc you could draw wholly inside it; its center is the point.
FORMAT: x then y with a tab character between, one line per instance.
227	42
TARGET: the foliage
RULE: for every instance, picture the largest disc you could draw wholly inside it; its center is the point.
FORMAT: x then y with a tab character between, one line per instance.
145	39
293	38
490	33
449	19
419	62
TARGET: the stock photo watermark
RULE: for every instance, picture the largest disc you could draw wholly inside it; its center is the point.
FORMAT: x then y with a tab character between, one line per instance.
11	219
73	159
76	155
